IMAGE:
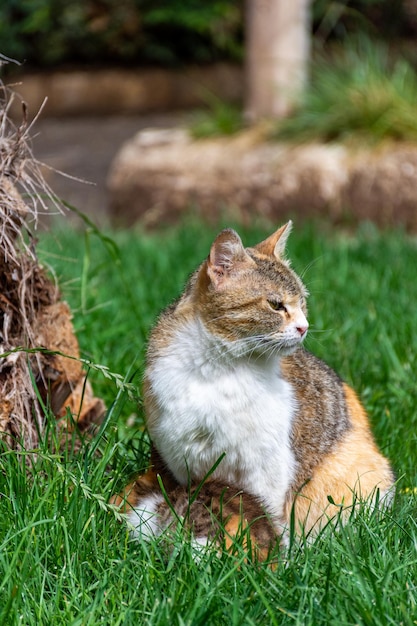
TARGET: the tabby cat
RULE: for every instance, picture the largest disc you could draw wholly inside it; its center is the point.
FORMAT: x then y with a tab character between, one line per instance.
227	375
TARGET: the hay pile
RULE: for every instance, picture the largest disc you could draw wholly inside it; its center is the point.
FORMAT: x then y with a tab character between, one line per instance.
32	315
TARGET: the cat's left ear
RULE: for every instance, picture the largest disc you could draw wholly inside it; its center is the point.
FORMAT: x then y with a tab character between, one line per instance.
227	256
275	244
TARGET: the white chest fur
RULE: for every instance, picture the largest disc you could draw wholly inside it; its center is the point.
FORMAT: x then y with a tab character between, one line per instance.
210	402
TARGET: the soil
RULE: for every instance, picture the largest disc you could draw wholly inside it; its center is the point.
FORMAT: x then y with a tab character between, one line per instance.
83	149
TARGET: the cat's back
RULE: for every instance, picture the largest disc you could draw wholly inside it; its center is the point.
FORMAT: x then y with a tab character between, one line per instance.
322	417
331	438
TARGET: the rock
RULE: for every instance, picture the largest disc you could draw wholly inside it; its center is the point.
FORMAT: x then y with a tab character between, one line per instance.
383	187
159	174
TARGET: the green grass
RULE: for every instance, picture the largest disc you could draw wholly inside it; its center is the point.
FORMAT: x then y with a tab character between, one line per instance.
218	118
361	92
64	557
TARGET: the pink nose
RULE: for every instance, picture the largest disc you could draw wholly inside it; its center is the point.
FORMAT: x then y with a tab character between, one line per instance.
302	330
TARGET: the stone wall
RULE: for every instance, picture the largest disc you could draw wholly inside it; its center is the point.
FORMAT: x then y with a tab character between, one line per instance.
160	174
121	91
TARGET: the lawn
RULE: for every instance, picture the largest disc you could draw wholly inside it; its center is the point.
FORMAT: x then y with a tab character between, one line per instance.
64	556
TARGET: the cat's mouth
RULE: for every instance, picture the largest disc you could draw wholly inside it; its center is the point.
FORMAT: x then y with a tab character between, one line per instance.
289	346
295	341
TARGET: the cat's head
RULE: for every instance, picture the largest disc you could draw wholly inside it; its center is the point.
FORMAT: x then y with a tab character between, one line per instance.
251	297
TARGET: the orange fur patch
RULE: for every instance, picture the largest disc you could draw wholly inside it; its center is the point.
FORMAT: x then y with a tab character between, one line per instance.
355	469
145	484
234	527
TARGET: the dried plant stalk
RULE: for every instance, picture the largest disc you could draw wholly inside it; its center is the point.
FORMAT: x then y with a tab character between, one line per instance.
32	315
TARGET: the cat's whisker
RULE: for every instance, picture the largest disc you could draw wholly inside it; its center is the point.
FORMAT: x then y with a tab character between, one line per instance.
259	348
247	345
317	342
309	265
262	348
312	330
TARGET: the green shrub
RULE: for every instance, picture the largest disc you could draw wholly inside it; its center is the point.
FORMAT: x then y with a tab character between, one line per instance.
361	90
48	32
219	118
51	32
389	19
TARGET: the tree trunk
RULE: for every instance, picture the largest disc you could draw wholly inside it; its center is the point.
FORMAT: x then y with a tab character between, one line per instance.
277	49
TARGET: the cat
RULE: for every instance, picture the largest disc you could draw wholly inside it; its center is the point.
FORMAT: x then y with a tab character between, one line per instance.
227	374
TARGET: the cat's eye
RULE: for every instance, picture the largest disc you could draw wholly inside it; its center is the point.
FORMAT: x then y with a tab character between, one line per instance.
277	305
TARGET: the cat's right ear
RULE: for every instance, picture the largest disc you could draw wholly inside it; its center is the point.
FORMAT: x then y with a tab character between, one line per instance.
227	255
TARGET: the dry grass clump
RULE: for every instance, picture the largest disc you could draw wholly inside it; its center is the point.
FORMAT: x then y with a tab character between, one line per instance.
39	354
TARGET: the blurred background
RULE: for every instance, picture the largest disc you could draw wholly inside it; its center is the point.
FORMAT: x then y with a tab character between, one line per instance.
271	107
